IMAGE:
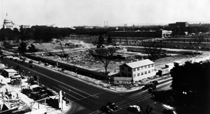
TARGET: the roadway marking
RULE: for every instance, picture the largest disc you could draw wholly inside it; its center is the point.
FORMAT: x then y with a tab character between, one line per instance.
94	96
133	98
142	98
66	93
53	79
71	91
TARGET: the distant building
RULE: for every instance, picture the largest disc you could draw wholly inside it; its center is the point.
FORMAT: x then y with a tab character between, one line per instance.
8	24
179	28
178	25
149	34
138	70
25	26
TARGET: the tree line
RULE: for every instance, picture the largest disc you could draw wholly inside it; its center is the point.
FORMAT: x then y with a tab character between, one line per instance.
38	33
191	83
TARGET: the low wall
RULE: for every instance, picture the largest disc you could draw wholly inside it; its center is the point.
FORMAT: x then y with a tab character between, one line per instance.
70	67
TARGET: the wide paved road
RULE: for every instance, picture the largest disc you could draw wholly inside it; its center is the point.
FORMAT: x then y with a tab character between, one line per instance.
88	96
87	99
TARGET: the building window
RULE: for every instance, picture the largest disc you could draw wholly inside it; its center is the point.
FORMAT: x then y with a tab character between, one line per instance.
152	65
138	74
145	72
148	66
138	68
134	75
134	69
145	66
149	71
142	67
142	73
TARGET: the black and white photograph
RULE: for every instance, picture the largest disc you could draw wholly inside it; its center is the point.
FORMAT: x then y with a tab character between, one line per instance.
104	57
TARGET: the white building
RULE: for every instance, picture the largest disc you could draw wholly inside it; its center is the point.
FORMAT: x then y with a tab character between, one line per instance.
138	70
9	73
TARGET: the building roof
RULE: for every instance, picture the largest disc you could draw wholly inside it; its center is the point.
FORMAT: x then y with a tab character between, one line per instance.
139	63
10	70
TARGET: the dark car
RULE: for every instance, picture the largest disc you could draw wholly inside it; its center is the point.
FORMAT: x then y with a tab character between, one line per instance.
151	90
155	82
147	86
106	109
31	62
46	64
112	105
31	66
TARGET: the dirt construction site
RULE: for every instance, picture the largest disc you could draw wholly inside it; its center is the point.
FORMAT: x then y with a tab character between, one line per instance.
79	55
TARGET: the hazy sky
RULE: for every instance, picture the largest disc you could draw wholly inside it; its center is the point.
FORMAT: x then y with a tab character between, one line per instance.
95	12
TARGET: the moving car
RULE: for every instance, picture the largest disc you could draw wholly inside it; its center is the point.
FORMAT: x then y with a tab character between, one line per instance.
112	105
106	109
134	108
155	82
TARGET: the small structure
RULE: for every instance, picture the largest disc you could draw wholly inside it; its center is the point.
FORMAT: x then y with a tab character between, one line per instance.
138	70
9	73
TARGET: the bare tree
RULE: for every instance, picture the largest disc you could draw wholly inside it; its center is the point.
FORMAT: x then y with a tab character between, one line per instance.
104	55
198	41
154	50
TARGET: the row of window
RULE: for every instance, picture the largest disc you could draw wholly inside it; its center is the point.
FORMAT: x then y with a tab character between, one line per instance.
142	67
138	68
143	73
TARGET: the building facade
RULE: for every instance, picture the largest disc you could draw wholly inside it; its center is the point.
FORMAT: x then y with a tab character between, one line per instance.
138	70
9	73
179	28
147	34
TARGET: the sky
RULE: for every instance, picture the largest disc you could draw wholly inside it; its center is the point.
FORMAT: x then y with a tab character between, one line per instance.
68	13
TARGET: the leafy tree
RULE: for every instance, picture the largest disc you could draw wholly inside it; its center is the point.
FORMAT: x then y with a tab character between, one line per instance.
104	55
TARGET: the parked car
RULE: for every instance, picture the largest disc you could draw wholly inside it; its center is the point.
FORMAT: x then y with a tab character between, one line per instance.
112	105
31	66
134	108
155	82
46	64
151	90
31	62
